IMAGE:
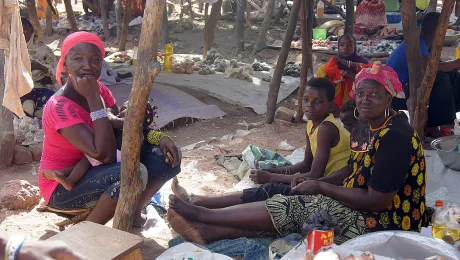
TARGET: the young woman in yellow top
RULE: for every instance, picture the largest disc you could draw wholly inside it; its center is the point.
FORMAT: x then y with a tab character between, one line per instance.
327	151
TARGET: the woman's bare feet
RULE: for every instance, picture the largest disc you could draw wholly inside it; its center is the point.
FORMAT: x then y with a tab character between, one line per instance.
187	210
191	231
179	191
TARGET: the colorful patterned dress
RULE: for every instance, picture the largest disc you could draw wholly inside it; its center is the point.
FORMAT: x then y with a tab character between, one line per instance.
392	160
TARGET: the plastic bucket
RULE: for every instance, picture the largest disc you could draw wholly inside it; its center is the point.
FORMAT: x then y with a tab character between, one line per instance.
319	34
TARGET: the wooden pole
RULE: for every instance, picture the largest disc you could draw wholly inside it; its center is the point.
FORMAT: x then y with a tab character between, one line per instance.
306	18
248	15
210	26
279	14
71	15
349	17
240	7
279	69
206	8
432	6
124	30
165	28
7	139
423	94
147	69
49	21
33	16
105	18
260	45
411	36
119	20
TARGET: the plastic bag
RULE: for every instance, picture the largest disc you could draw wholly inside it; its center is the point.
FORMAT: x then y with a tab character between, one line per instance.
190	251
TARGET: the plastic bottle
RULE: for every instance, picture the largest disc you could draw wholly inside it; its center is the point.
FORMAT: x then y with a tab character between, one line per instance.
438	220
320	9
457	51
136	52
169	51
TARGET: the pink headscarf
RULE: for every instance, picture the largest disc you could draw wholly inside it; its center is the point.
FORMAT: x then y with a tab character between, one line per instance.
383	74
70	42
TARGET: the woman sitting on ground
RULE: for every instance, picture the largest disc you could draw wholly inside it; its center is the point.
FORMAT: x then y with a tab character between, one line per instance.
384	187
76	124
342	69
371	21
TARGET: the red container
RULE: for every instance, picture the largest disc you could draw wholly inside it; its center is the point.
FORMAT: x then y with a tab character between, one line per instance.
318	239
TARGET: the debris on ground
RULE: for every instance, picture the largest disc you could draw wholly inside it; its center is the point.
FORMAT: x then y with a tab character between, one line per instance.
285	146
260	66
183	67
292	69
284	113
244	72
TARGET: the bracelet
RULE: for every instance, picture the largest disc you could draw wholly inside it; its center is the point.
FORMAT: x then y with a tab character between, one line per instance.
13	246
154	137
101	113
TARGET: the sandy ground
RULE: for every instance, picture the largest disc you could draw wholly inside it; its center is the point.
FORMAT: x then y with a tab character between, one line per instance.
200	172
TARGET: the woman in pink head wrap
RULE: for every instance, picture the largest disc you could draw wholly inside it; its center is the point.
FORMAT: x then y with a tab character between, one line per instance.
79	167
382	188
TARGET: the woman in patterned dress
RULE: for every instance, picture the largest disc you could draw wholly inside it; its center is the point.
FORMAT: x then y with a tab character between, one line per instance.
382	189
371	21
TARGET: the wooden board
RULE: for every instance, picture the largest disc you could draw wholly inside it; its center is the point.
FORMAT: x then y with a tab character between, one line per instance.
96	241
330	52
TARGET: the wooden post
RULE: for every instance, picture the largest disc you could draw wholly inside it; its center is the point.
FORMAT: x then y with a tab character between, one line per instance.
306	18
146	71
49	21
200	7
124	30
423	94
248	15
70	15
411	36
260	45
240	7
432	6
349	17
119	21
33	16
165	28
206	8
279	69
210	26
105	18
279	13
7	139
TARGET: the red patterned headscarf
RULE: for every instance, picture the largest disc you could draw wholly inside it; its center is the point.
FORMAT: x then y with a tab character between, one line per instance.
70	42
384	75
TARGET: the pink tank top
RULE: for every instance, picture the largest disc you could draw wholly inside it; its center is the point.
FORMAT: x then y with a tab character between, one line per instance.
58	153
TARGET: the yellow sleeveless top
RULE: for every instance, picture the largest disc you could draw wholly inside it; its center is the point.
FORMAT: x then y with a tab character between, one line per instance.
340	154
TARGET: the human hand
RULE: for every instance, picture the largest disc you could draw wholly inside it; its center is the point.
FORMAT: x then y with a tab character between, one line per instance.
47	250
302	186
170	151
261	176
85	86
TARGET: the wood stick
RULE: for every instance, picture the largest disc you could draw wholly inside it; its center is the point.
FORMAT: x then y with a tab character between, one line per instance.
248	15
349	17
124	30
33	16
411	36
423	94
274	85
71	15
260	45
306	18
336	9
119	20
105	19
165	28
240	7
49	21
146	71
7	139
210	26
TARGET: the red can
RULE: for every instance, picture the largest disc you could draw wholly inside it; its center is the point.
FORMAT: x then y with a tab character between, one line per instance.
319	239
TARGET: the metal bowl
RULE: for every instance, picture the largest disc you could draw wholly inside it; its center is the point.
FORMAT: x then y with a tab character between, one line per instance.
443	145
450	40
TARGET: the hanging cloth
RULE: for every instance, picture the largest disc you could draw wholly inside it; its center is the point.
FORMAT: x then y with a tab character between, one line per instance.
17	72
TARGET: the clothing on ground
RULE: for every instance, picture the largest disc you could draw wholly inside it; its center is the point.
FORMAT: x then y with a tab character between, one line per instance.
340	153
18	79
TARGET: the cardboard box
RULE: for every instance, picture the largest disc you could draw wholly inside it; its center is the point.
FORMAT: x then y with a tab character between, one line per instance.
318	239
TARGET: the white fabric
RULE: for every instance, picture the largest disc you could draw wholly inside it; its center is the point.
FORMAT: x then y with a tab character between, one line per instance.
18	76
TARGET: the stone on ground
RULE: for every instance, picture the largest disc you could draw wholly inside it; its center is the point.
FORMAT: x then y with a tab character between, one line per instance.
285	114
36	150
22	155
19	194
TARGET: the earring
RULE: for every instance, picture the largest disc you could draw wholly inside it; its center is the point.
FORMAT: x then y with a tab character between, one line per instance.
387	112
354	114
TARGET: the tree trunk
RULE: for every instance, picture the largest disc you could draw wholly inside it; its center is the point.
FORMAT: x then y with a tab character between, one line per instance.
33	16
124	30
165	29
190	7
119	21
206	8
241	4
279	14
411	36
248	15
260	45
146	71
423	94
349	17
432	6
49	21
105	19
70	15
210	26
306	18
7	139
200	6
279	69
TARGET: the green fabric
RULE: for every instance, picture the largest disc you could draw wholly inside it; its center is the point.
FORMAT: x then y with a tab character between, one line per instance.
391	5
263	158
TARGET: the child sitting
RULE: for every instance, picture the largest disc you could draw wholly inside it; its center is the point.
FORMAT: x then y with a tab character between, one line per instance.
328	142
70	176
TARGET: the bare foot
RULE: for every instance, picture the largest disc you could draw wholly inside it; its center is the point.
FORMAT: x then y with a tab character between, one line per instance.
59	177
139	221
187	210
191	231
179	191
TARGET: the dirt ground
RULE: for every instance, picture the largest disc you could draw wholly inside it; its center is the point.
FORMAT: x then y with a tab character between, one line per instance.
200	172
